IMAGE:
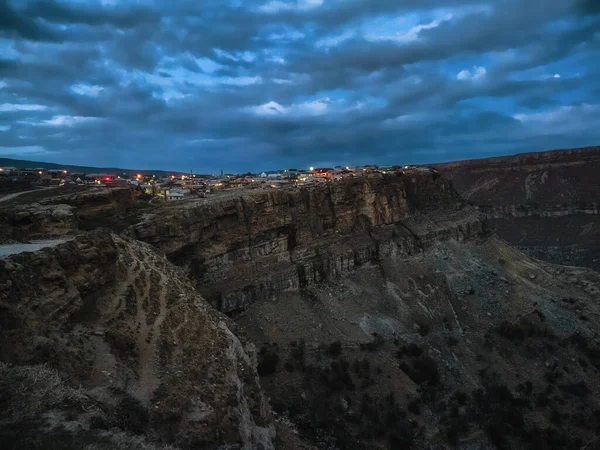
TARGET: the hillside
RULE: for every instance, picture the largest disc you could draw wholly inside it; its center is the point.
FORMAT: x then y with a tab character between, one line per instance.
103	342
20	163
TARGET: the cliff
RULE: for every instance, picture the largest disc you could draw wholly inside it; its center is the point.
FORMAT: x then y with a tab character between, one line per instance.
128	345
250	247
60	212
555	177
545	203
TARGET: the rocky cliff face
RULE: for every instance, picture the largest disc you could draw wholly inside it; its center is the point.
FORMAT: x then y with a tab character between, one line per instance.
52	213
127	343
251	247
545	203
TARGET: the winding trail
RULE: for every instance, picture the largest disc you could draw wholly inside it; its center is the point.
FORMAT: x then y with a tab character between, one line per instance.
148	336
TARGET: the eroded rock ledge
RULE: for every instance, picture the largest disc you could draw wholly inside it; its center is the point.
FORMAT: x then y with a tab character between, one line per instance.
250	247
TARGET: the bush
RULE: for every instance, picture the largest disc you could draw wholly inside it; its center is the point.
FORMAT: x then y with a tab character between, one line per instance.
402	439
424	328
423	370
335	349
578	389
414	406
375	344
298	353
452	341
267	360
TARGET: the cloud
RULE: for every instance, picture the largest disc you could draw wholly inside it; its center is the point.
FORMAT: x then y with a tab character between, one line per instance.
312	108
24	151
84	89
266	84
67	121
278	6
7	107
412	33
476	74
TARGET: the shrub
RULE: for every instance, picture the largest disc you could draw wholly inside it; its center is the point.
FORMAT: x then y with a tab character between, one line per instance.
424	328
578	389
414	406
298	353
335	349
375	344
267	361
423	370
452	341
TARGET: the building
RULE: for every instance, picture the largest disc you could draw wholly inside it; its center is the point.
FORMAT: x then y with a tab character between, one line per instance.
57	174
323	172
101	178
172	196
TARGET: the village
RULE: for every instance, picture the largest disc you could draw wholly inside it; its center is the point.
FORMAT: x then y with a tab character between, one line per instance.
179	186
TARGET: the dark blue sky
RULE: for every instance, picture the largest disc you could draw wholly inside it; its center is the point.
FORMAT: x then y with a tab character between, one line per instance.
256	85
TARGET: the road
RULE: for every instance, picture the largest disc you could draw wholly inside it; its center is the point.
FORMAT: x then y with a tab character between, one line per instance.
16	194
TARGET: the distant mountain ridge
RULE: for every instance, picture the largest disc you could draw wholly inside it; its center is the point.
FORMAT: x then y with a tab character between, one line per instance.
21	163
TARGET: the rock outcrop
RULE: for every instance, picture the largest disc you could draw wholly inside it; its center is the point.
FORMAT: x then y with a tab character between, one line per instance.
127	343
53	213
253	246
544	203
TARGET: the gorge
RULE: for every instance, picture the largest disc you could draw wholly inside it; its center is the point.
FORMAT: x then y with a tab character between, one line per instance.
372	313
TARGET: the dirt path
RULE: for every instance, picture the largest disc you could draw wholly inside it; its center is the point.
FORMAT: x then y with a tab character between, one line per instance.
148	336
16	194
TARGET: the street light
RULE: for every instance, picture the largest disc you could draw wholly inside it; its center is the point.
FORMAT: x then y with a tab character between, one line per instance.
312	168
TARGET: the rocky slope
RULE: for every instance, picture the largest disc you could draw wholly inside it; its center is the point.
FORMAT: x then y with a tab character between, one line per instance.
104	344
545	203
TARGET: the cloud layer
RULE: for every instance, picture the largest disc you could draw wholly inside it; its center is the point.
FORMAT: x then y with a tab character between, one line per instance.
256	85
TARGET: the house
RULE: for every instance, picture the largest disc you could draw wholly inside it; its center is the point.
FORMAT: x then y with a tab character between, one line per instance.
323	172
101	178
29	173
54	173
174	196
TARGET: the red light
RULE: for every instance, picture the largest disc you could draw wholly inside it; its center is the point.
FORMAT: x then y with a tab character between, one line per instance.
107	179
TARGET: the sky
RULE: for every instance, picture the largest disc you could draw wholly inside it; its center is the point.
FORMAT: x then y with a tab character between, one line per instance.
266	84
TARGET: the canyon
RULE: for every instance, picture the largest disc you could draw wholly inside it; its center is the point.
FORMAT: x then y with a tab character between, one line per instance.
383	311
